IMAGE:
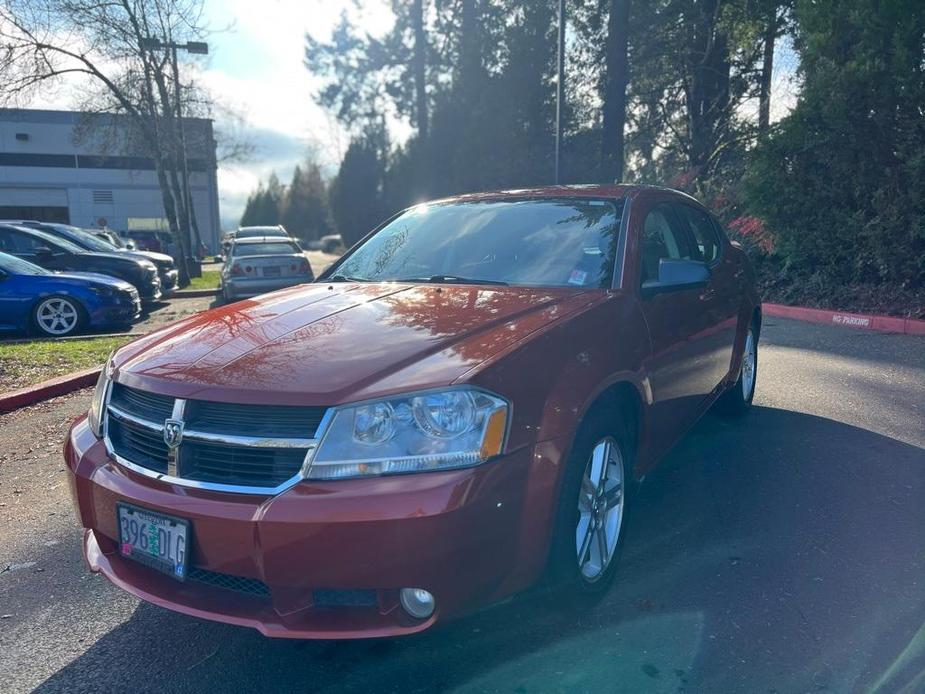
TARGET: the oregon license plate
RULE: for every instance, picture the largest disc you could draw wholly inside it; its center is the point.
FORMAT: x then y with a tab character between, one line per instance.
271	271
153	539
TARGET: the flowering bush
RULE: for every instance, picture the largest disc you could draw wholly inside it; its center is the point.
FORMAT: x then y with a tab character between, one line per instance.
751	232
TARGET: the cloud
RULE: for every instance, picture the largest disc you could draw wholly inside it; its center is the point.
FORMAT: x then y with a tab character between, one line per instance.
256	68
274	152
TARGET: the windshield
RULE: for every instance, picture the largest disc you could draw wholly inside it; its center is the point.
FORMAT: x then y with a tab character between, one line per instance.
18	266
56	242
550	243
271	248
84	239
93	242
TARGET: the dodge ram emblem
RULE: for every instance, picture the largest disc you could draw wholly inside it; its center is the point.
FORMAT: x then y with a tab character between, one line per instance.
173	433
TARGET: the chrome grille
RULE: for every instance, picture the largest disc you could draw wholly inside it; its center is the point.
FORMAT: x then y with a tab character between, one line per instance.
142	446
209	462
253	420
141	404
223	446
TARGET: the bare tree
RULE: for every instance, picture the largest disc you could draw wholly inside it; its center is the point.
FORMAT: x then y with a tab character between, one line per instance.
107	42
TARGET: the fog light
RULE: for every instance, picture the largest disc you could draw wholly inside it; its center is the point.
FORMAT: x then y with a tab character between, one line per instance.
417	602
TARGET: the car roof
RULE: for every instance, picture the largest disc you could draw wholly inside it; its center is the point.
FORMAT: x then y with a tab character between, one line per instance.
265	231
248	240
594	190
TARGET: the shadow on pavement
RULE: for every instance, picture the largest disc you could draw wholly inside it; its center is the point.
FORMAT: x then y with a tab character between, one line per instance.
779	552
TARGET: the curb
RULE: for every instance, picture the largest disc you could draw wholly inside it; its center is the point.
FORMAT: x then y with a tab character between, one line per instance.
880	324
48	389
193	293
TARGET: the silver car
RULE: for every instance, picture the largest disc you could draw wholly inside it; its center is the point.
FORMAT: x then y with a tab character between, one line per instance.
263	264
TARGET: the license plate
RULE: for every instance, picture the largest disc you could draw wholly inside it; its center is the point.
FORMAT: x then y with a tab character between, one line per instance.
271	272
153	539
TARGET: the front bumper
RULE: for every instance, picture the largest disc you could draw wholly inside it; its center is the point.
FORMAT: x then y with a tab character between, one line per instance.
463	535
169	281
119	310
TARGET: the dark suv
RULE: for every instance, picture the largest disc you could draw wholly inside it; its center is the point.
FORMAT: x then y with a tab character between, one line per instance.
55	253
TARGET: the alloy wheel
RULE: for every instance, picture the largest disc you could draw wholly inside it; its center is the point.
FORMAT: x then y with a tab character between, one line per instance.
749	365
600	510
57	316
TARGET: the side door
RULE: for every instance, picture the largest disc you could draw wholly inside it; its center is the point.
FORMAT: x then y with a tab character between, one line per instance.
679	368
721	299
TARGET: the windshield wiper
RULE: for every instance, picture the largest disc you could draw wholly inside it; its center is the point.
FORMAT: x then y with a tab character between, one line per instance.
344	278
452	279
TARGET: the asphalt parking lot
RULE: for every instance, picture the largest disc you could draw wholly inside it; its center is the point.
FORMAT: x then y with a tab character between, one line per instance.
782	552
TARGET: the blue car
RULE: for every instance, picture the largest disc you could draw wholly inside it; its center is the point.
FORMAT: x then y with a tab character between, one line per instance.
58	303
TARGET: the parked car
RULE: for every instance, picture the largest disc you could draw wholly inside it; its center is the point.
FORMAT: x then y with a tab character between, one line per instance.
114	239
156	241
166	269
257	265
54	253
251	232
58	304
331	244
467	400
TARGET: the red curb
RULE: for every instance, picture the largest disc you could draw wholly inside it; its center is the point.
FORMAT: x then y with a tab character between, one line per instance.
882	324
48	389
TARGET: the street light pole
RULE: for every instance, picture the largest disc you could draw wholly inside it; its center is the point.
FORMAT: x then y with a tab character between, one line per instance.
560	87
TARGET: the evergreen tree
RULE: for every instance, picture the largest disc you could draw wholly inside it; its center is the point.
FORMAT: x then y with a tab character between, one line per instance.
356	193
841	180
305	212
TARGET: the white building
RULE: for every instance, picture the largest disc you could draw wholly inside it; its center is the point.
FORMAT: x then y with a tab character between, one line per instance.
62	166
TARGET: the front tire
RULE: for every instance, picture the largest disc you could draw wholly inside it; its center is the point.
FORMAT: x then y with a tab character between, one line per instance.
57	316
738	399
591	514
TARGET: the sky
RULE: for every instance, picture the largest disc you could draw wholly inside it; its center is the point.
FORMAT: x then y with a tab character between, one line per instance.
256	68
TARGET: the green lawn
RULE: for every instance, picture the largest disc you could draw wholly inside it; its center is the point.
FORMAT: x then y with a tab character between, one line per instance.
26	363
210	280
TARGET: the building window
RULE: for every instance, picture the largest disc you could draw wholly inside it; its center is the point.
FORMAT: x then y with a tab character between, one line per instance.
58	215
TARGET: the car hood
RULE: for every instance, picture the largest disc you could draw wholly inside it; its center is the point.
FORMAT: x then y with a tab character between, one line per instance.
114	256
159	259
92	278
322	344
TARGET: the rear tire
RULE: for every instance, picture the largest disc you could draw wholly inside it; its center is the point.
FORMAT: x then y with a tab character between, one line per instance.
738	399
591	515
58	316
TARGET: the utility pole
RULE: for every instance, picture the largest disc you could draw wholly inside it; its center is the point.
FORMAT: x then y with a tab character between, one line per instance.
560	87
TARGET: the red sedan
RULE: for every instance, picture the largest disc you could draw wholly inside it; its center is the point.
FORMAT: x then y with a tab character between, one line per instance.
464	403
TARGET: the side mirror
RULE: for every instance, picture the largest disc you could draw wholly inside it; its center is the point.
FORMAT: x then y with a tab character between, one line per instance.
677	275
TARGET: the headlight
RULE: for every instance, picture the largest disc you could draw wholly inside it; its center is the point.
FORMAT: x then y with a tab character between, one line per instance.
95	416
421	432
102	290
